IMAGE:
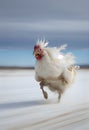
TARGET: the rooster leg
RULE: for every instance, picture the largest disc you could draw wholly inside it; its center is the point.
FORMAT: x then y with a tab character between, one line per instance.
59	97
44	92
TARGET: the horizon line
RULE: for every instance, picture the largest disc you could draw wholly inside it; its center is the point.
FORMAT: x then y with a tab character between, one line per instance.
32	67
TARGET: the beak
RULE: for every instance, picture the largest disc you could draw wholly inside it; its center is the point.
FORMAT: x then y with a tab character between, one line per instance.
36	54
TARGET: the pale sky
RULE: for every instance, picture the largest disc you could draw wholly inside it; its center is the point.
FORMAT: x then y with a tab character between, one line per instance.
24	21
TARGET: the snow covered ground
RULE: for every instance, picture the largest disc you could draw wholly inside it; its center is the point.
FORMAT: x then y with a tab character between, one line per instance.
22	106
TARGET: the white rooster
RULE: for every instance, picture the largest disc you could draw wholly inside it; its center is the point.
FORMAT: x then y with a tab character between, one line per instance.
52	69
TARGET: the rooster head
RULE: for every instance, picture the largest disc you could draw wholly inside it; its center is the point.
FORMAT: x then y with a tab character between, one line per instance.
39	51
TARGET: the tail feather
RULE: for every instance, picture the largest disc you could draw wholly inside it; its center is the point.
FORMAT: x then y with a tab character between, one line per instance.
77	67
70	59
62	47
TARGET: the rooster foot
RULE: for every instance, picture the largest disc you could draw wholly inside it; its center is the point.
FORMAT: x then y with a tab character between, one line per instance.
45	95
59	97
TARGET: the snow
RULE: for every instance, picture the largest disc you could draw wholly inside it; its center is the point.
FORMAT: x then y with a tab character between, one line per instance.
22	106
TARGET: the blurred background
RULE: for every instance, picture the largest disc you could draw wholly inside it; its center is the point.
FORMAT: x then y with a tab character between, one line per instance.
23	22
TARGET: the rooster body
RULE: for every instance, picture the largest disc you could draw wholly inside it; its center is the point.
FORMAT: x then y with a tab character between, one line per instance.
52	69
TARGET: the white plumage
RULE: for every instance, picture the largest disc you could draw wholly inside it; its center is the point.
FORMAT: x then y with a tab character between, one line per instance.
53	69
